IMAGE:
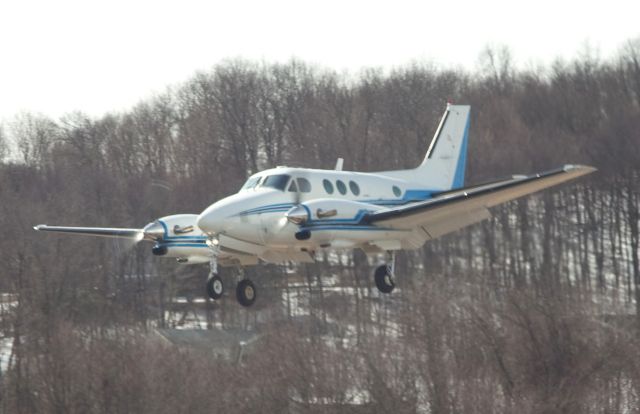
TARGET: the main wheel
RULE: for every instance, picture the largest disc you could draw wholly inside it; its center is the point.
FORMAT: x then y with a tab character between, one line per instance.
384	279
215	287
246	292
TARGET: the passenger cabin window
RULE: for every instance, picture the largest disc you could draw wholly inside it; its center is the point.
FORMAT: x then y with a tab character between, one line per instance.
250	183
397	191
278	181
304	185
341	187
328	187
355	189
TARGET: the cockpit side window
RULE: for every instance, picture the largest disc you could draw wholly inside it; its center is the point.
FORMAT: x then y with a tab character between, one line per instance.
251	183
304	184
278	181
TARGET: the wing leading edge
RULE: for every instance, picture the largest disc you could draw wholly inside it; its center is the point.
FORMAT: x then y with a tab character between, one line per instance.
469	205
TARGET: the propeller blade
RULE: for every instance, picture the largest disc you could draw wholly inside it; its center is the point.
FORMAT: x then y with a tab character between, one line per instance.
299	185
136	234
152	231
122	246
294	191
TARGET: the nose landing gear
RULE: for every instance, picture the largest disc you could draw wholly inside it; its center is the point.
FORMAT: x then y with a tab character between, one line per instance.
215	287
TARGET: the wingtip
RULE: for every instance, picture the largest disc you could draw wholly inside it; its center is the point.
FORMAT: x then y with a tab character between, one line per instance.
39	227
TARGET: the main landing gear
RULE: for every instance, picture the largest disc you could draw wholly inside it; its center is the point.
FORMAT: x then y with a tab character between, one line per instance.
384	275
245	289
246	292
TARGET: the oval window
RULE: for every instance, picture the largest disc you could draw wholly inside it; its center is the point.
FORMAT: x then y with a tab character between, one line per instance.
354	187
328	187
396	191
341	187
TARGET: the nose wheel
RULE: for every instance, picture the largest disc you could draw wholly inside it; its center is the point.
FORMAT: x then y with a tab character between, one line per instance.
215	287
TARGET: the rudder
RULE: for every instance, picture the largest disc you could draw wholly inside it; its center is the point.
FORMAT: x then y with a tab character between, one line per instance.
444	164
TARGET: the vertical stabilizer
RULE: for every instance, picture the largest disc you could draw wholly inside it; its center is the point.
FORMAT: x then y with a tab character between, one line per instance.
444	164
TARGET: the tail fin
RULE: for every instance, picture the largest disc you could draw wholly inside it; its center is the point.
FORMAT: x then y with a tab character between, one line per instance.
444	164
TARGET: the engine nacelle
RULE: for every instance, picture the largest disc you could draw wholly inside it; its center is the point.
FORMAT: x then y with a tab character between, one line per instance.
178	226
179	237
331	222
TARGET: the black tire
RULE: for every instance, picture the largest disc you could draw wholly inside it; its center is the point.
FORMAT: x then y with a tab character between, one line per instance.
384	280
215	287
246	292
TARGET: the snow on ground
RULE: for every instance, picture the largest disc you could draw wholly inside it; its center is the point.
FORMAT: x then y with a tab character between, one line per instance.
6	348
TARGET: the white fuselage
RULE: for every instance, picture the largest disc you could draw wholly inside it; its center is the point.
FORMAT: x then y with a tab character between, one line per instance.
257	212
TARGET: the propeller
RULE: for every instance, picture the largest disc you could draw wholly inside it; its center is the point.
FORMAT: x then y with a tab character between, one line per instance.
121	246
123	239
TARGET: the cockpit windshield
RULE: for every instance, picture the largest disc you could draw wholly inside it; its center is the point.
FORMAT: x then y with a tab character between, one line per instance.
278	181
251	183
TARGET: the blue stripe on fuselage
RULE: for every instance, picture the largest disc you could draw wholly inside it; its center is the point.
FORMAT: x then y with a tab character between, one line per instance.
458	178
352	227
409	196
179	244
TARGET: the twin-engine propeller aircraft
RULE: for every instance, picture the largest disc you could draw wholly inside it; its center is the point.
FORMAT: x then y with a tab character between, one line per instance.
288	214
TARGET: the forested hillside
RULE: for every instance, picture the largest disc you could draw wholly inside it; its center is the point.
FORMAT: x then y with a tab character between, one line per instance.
536	310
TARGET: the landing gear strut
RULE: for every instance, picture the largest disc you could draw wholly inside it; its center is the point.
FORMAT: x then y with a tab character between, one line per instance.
384	276
215	287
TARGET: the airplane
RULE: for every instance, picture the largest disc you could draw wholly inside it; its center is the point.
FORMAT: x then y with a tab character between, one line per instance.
288	214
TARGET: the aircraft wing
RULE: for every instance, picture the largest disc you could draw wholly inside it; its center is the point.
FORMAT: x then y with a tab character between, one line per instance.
93	231
452	210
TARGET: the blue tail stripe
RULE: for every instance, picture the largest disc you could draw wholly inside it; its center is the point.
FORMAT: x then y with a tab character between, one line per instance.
458	178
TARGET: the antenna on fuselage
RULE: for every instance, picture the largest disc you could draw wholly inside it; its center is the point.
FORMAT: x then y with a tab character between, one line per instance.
339	164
